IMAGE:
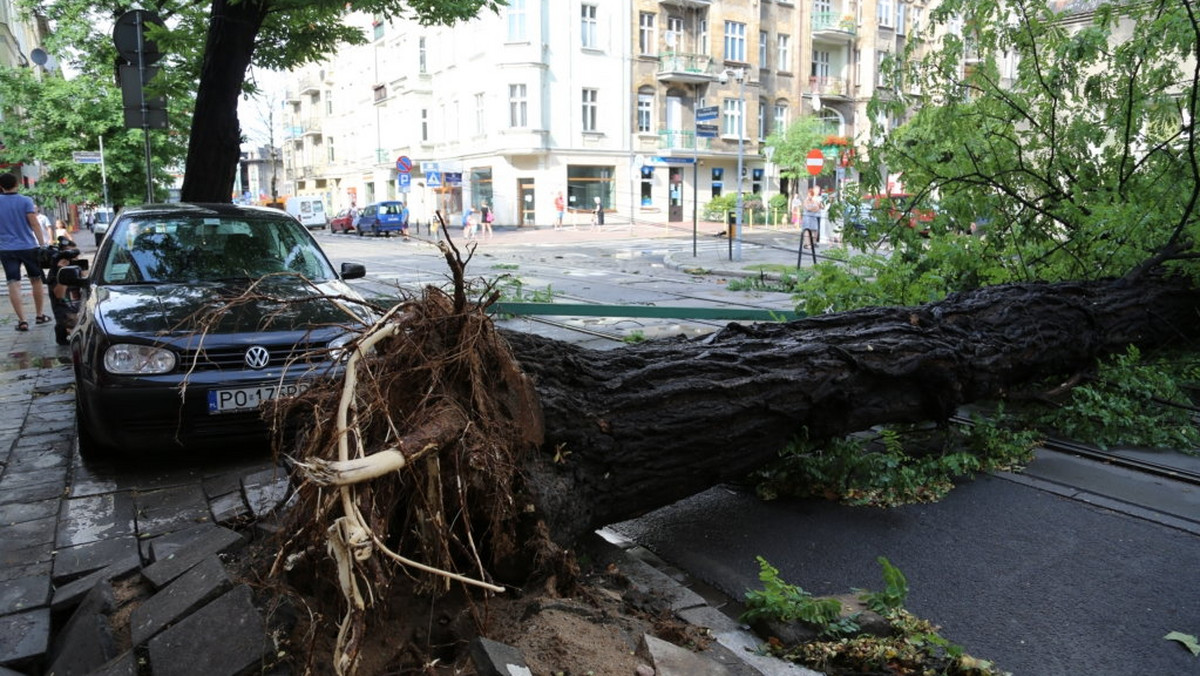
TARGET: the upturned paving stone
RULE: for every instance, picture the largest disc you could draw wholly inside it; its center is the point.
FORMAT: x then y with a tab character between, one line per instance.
23	593
73	562
492	658
205	581
24	637
265	490
669	659
96	517
224	638
170	509
86	643
192	545
228	508
124	664
72	593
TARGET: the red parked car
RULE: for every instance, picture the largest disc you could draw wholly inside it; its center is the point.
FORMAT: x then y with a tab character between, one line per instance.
343	222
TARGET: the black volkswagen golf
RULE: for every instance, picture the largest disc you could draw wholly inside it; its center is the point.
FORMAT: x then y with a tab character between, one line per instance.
195	314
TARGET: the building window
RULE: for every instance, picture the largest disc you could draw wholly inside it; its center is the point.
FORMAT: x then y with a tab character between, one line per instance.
781	118
884	13
646	39
422	56
424	125
517	106
718	176
647	186
735	41
762	50
377	26
901	18
590	97
328	102
732	118
329	155
380	93
481	186
762	120
645	111
820	65
516	21
702	40
784	49
880	79
674	36
479	113
587	27
586	183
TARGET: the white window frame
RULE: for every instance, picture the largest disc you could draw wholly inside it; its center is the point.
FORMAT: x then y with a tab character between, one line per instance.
702	36
647	41
518	106
645	112
762	120
885	13
480	113
783	43
589	100
821	60
516	14
424	125
763	39
781	117
901	18
735	41
589	34
732	119
422	56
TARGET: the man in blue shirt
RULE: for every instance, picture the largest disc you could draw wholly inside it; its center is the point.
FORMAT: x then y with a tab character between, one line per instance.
20	238
404	219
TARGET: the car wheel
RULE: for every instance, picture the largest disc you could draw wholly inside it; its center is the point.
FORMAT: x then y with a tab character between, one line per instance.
360	232
89	448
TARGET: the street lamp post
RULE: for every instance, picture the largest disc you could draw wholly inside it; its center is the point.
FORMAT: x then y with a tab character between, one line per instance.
740	75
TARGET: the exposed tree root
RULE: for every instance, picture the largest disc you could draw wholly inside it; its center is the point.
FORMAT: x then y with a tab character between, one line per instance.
412	465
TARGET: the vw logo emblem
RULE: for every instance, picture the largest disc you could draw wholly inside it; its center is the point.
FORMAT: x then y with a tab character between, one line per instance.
257	357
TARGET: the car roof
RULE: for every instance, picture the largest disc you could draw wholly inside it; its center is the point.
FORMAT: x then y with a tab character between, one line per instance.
208	210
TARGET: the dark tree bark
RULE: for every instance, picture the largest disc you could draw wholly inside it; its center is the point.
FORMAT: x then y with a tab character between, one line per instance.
215	142
639	427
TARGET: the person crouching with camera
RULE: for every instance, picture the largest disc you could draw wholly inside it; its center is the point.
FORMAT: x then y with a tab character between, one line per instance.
20	238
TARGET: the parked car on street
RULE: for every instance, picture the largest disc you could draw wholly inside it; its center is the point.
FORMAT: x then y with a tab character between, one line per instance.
342	222
381	218
164	361
101	219
310	211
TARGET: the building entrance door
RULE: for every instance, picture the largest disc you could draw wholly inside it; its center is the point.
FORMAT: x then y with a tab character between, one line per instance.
675	195
526	214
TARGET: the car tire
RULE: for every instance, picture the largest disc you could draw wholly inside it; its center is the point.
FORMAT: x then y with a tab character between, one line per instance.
360	232
89	448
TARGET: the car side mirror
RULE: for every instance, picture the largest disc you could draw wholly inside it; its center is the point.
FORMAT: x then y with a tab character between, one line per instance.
71	275
350	271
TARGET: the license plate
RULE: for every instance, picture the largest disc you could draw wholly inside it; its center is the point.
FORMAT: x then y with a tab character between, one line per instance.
249	398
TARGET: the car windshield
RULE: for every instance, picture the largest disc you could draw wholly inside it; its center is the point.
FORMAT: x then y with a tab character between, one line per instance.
188	248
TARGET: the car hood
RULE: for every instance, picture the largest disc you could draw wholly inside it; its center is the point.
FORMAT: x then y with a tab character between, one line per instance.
282	303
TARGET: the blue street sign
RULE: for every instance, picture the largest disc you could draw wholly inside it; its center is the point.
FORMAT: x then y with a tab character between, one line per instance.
403	182
673	160
707	113
403	164
433	179
706	131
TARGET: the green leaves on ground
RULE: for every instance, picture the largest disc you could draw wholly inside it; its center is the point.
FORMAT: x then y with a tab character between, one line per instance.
1186	640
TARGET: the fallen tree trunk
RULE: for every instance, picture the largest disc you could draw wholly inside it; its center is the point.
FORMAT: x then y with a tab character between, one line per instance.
639	427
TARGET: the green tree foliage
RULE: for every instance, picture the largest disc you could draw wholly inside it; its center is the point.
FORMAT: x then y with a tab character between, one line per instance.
791	146
48	118
209	49
1078	162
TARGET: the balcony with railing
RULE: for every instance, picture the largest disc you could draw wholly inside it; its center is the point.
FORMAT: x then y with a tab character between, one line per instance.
833	26
312	126
687	4
677	139
681	67
829	87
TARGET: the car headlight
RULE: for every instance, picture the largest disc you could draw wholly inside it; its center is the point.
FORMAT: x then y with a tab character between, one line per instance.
138	360
338	352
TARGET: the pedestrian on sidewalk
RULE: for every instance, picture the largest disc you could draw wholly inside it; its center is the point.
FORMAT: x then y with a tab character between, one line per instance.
486	216
560	208
21	236
597	214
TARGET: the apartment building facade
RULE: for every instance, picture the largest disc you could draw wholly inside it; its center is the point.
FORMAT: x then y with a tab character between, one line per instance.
594	99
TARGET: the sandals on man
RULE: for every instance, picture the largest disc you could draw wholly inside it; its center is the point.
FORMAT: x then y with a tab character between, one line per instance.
42	319
22	326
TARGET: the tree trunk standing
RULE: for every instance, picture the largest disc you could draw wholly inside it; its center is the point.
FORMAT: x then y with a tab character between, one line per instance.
636	428
215	141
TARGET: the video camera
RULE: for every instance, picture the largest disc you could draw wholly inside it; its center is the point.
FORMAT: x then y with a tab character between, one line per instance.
63	249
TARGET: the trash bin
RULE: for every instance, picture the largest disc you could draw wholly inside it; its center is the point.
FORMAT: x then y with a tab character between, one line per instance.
730	223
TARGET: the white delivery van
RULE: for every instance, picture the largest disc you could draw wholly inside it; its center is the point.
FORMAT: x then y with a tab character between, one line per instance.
101	219
310	211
